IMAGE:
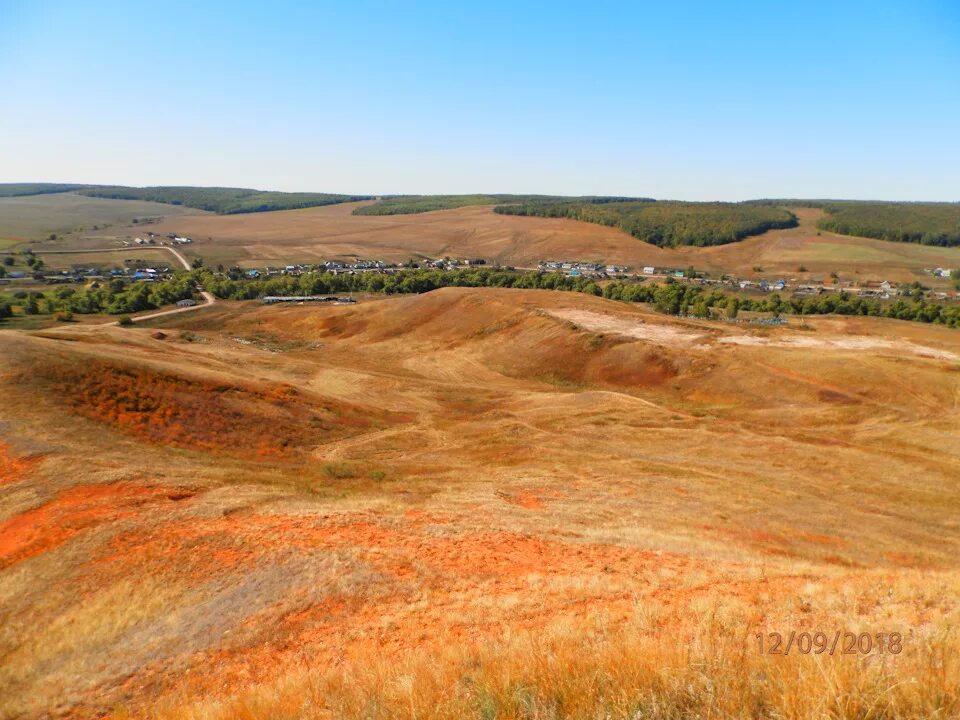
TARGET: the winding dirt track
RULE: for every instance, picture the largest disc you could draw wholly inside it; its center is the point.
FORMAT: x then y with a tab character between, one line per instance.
208	297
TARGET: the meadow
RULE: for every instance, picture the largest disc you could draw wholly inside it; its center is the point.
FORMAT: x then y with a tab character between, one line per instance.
35	217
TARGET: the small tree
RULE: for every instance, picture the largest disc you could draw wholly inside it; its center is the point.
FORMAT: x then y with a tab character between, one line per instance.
31	307
125	321
733	308
6	311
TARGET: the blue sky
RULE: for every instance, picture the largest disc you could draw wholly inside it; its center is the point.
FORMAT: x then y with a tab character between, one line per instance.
687	100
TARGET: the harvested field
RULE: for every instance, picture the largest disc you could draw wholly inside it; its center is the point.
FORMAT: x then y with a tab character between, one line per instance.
314	234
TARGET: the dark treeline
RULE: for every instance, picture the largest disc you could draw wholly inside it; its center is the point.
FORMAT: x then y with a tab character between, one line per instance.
410	204
24	189
225	201
927	223
673	298
668	224
924	223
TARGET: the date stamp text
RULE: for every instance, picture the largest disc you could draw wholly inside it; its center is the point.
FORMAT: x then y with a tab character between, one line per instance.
838	642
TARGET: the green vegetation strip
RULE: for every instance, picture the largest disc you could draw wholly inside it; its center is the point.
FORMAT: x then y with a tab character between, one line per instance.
926	223
668	224
674	298
411	204
225	201
24	189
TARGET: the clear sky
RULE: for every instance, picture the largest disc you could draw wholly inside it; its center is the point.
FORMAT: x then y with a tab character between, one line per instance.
681	99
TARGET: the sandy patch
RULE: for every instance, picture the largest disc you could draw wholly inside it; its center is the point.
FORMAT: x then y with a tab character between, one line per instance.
857	343
631	327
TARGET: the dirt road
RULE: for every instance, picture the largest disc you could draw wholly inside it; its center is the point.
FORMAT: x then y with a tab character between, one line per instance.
208	297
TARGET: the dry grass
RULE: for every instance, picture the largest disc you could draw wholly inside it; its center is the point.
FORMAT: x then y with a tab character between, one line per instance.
702	663
602	541
36	216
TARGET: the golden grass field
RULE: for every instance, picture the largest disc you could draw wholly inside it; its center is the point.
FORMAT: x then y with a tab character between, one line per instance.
315	234
476	503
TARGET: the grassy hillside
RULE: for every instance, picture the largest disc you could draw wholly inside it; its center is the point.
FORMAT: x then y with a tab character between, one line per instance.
410	204
36	216
478	503
225	201
23	189
668	224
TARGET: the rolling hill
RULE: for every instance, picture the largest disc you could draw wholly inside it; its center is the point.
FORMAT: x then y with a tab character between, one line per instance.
308	511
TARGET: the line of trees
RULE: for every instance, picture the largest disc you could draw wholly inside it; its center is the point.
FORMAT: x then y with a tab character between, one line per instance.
410	204
25	189
113	297
225	201
668	224
674	298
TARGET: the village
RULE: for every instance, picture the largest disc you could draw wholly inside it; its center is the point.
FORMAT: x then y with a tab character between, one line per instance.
138	270
881	289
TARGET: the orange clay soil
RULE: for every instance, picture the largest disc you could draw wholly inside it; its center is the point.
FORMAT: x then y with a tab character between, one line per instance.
13	467
456	467
72	511
181	412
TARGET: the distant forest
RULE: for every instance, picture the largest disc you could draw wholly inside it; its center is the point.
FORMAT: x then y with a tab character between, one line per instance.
24	189
410	204
224	201
926	223
668	223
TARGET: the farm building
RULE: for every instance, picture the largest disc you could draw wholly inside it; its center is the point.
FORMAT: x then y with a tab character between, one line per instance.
272	299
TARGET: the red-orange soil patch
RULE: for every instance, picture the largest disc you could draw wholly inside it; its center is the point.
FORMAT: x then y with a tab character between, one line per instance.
69	513
14	468
524	499
202	415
